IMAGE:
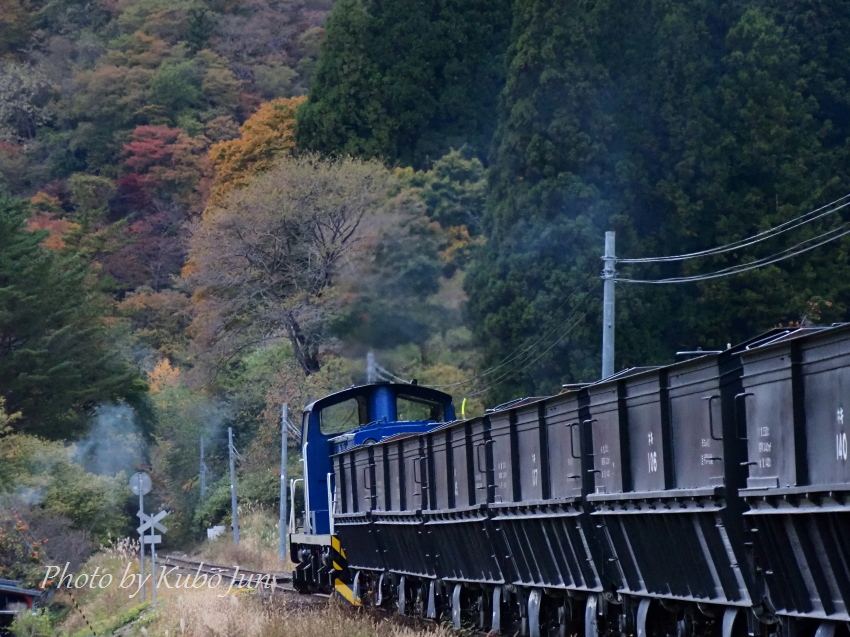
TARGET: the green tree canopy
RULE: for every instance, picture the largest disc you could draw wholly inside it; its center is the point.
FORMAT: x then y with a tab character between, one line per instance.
395	79
682	126
56	360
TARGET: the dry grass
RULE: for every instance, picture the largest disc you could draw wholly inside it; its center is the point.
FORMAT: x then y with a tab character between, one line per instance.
258	544
104	607
206	612
213	613
200	615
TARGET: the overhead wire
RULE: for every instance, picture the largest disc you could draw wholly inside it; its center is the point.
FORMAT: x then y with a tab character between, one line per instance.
786	226
525	346
759	263
524	352
388	375
524	364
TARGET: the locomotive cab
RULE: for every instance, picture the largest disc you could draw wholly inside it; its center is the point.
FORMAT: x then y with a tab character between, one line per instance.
356	416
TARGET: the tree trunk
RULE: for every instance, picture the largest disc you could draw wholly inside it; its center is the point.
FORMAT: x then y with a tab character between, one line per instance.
304	347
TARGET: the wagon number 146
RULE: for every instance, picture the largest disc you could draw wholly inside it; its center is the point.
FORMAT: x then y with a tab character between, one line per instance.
652	459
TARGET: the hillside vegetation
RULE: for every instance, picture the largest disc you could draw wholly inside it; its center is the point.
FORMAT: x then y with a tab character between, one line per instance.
213	208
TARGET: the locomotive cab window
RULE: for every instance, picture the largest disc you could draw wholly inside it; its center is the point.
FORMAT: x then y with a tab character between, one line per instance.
410	408
342	417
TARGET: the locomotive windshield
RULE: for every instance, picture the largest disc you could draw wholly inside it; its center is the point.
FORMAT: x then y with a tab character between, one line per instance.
343	416
349	414
411	408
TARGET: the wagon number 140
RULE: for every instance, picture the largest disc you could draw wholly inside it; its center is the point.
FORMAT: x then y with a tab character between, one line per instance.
841	446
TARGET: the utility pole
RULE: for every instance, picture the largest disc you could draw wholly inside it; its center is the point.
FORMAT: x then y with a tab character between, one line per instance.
284	445
371	368
203	472
234	510
142	548
153	563
140	484
608	273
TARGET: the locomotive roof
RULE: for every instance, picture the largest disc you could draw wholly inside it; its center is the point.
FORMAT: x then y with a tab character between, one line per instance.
406	389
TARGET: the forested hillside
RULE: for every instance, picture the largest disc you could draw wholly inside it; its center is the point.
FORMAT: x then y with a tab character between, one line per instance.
408	81
682	126
211	208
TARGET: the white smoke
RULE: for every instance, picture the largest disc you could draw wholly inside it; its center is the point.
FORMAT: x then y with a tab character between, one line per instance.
114	443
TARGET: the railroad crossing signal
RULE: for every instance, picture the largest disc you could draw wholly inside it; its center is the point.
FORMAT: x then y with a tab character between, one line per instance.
151	521
140	483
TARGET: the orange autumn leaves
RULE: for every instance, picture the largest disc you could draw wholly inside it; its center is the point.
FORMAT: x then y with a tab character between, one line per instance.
171	163
264	137
48	215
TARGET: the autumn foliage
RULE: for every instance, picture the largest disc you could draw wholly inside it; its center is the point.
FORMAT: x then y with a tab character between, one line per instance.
48	215
163	376
266	136
168	162
20	553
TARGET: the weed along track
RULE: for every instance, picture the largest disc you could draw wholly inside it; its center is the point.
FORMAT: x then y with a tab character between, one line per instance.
280	583
234	579
241	577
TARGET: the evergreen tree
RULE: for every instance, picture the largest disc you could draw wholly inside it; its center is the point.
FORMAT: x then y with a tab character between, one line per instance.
682	126
394	79
55	357
346	115
200	26
548	208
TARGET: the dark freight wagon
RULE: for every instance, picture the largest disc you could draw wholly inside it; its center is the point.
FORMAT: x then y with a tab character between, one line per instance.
796	391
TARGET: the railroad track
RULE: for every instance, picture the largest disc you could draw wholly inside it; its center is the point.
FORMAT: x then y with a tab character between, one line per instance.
229	572
241	579
282	583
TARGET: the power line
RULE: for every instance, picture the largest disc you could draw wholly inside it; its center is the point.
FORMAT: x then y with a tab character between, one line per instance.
759	263
791	224
522	352
525	346
388	375
527	363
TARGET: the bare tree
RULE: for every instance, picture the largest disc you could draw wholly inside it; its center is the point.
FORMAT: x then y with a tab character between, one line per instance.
263	265
25	94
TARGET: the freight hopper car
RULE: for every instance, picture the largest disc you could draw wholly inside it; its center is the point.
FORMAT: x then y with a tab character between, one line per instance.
708	497
475	520
795	390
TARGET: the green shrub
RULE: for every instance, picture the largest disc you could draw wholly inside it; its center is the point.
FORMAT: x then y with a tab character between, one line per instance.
35	624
